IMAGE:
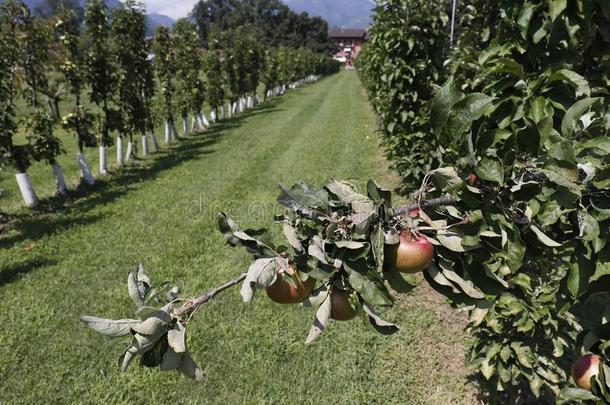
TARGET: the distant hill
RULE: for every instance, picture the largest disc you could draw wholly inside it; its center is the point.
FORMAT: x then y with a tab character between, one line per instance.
154	20
340	13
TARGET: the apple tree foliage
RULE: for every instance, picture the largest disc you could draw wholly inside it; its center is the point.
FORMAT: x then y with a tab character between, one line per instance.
401	66
521	133
71	64
130	51
11	153
165	70
99	70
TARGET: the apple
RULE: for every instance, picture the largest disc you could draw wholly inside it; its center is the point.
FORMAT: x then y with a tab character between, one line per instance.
584	368
414	213
284	292
341	310
411	255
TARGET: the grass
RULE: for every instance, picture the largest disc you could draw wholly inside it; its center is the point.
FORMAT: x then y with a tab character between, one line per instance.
72	257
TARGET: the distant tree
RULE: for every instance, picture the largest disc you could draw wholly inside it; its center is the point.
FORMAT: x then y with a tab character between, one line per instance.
216	76
129	49
79	120
12	153
35	37
273	23
99	71
165	70
188	57
50	8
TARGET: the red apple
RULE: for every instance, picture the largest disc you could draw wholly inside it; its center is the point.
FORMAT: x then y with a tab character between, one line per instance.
414	213
413	254
341	310
584	368
472	179
283	292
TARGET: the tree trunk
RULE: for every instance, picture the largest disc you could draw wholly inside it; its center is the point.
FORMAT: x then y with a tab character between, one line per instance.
154	141
119	151
213	116
144	145
27	189
168	132
84	169
130	150
60	182
185	126
103	160
204	120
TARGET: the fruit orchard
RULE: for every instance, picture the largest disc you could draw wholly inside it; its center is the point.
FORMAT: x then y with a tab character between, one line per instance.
497	122
107	61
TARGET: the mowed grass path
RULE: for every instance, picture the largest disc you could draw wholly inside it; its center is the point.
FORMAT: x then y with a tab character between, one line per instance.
59	265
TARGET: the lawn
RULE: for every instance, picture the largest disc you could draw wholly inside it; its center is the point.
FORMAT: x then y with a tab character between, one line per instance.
72	257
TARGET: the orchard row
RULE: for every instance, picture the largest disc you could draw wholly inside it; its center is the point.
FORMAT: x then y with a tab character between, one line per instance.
119	81
512	123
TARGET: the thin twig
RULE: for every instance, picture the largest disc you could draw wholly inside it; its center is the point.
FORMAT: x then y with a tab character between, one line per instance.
434	202
194	304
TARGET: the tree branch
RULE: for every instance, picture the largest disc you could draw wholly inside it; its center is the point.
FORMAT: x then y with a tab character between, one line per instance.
193	304
434	202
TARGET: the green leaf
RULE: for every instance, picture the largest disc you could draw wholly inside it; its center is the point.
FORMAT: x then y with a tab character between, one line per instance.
292	237
573	114
466	286
262	273
382	326
110	327
378	193
176	338
305	198
490	169
133	289
580	84
588	226
153	325
189	368
441	105
556	7
571	395
345	192
465	112
363	280
543	238
321	321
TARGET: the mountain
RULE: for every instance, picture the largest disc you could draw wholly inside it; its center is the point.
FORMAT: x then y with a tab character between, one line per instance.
341	13
153	20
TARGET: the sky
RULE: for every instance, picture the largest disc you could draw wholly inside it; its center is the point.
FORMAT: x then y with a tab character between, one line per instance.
172	8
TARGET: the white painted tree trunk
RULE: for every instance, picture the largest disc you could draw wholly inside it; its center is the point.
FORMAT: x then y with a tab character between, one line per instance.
155	142
168	132
119	151
129	154
27	190
60	182
213	116
103	160
84	169
144	145
185	126
174	131
221	112
204	120
196	123
233	108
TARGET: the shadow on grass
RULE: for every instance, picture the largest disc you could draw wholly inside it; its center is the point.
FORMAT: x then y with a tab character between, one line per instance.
58	212
8	275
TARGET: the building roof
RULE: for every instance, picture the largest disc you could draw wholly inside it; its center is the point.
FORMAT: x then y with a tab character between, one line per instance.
337	32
